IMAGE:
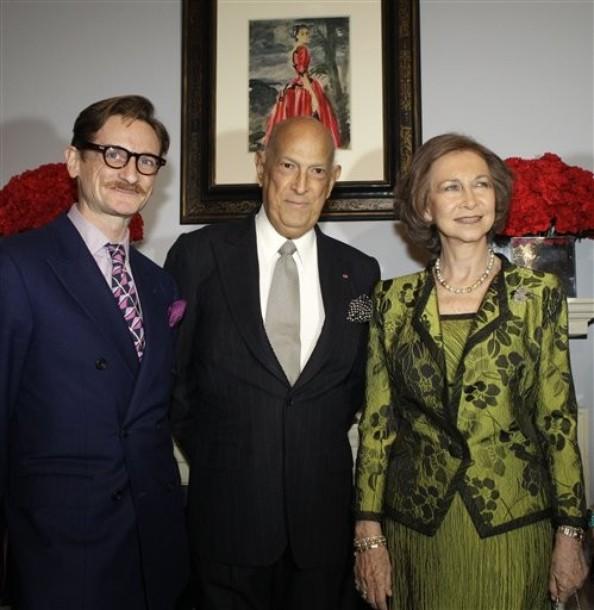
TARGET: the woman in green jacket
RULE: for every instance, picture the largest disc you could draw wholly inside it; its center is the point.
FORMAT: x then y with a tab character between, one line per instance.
469	480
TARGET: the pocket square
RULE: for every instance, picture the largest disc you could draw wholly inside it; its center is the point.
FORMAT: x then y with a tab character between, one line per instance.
176	312
360	309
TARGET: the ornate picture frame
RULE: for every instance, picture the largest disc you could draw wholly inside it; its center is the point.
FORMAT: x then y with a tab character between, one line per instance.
204	199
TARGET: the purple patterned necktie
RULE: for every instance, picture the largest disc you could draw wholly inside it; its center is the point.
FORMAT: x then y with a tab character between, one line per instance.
124	291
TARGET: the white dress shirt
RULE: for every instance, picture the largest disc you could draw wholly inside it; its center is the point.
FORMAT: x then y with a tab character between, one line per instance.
311	305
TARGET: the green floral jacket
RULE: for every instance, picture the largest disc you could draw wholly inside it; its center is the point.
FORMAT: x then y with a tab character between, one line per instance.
502	435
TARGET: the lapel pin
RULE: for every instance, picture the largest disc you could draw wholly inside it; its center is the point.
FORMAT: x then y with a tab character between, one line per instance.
345	276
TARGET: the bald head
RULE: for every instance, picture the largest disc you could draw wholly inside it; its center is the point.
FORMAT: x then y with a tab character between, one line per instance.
296	171
302	126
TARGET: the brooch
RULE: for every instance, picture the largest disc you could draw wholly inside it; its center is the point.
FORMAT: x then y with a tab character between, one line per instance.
520	295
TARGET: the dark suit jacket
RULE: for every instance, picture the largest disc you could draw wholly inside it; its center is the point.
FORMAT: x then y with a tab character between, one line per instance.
270	464
88	478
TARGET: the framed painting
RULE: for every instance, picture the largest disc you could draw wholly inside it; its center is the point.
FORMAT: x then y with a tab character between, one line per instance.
248	64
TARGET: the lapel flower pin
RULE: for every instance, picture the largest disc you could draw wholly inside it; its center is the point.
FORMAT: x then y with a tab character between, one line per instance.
176	312
360	309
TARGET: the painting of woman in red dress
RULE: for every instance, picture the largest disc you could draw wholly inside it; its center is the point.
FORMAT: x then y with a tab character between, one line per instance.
304	95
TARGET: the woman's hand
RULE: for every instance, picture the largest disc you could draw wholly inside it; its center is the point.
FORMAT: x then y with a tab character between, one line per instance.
373	577
373	571
568	568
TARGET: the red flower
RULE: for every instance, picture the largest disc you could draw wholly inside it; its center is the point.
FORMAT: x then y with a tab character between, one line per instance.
550	196
37	196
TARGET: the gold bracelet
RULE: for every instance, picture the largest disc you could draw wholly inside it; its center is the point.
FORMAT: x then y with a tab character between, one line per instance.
368	542
572	532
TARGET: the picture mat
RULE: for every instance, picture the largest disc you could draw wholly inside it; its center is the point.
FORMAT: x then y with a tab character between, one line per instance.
364	161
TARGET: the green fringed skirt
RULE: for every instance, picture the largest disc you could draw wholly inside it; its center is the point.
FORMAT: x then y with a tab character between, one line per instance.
458	570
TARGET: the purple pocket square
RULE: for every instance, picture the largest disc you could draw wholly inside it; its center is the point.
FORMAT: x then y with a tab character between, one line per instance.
176	311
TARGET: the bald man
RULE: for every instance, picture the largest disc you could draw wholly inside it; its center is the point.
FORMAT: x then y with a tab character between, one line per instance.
269	377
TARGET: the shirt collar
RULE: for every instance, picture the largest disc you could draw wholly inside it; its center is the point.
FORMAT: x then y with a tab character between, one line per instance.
93	237
270	240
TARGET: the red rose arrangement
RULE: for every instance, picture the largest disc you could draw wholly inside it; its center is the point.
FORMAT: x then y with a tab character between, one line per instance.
550	197
37	196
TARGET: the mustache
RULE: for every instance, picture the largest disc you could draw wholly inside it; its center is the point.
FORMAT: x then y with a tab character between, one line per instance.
125	186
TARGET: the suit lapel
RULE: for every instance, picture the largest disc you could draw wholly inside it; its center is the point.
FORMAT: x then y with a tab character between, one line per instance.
426	321
237	263
149	302
492	313
155	329
336	290
76	269
427	325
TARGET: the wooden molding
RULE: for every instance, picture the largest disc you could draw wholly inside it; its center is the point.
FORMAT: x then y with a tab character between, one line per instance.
581	314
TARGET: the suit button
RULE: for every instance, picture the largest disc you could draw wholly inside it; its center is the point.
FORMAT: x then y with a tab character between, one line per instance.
123	433
100	364
116	496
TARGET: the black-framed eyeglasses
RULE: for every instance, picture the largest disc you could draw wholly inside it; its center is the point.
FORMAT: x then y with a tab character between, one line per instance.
117	157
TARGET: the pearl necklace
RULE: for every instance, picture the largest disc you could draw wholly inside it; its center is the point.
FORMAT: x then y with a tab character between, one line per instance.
475	285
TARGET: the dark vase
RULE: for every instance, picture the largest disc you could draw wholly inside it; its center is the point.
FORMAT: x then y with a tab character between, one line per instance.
553	254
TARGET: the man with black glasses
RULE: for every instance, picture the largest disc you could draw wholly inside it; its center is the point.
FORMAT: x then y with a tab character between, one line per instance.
87	474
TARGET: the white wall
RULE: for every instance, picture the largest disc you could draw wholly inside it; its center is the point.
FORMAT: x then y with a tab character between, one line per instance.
516	74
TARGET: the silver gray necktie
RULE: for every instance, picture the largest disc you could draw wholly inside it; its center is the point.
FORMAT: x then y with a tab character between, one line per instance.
282	313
